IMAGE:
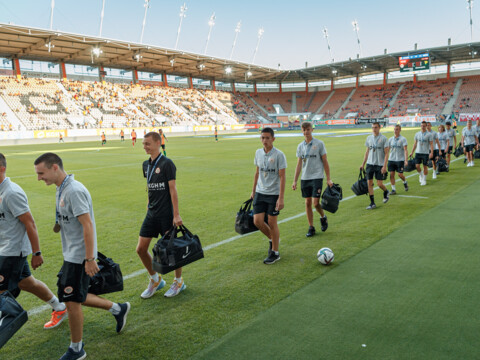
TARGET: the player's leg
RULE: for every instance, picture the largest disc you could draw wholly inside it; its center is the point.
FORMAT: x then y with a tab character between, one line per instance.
118	310
370	170
274	254
307	193
178	284
309	211
392	182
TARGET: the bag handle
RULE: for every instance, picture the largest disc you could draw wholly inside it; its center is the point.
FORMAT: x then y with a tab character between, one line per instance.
246	206
362	174
173	232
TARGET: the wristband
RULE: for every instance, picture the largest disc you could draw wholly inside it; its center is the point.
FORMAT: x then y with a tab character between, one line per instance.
89	260
38	253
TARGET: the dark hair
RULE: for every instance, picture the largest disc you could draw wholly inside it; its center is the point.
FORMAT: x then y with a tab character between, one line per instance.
424	122
49	159
429	123
399	126
376	123
307	125
3	161
448	123
268	130
154	135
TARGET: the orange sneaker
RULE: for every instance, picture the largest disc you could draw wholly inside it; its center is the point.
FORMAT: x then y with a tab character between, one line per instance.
57	318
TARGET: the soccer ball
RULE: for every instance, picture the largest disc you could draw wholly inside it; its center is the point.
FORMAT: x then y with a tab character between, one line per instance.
325	256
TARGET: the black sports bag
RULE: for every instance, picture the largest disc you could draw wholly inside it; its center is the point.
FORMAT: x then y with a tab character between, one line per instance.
12	317
331	198
458	151
410	165
476	154
442	165
361	185
244	220
173	251
109	279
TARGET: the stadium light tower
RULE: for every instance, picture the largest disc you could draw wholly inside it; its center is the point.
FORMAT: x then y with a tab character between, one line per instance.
146	5
259	37
469	7
237	30
183	10
101	18
325	35
356	28
52	6
211	24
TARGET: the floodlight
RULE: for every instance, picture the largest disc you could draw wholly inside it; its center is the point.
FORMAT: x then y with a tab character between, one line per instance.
228	70
96	51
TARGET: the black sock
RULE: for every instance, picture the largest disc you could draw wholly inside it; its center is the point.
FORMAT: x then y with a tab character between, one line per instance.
385	193
372	201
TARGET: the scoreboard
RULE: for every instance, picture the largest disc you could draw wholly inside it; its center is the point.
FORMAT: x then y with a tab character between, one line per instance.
410	63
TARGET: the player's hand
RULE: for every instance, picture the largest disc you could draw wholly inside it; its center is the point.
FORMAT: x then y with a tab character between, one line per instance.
384	170
430	156
330	183
177	220
406	162
91	268
37	261
252	195
361	167
280	204
294	186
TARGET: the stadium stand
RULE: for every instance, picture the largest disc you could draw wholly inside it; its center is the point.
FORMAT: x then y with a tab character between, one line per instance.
468	100
335	102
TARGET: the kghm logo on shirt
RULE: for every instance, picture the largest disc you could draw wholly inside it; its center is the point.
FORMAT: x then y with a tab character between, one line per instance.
309	156
156	186
267	170
63	217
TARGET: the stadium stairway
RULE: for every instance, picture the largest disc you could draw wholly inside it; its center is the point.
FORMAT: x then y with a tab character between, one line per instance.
386	112
11	117
447	110
310	101
259	106
294	102
321	106
345	103
230	119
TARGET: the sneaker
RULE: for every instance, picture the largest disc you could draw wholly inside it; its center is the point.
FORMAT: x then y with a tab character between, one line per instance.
272	258
420	178
472	163
434	175
152	288
405	185
175	288
371	207
122	316
423	183
310	233
386	196
393	192
74	355
468	165
324	223
57	318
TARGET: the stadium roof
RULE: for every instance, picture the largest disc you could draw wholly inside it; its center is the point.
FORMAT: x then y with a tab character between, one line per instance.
32	44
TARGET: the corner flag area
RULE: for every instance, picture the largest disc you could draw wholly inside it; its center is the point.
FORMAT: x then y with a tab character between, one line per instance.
412	295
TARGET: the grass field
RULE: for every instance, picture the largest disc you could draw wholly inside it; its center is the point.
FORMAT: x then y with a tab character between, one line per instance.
231	286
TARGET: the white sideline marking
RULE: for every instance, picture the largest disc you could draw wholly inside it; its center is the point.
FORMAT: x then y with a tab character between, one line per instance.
40	309
412	196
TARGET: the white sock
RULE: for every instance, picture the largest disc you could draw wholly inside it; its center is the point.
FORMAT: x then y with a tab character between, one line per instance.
115	309
76	346
55	304
393	187
276	252
155	277
179	280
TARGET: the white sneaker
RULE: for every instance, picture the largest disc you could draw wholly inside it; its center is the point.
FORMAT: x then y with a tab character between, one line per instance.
472	163
152	287
469	164
420	178
434	175
424	182
175	288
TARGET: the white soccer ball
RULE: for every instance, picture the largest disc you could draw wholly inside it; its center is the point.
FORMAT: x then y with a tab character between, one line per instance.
325	256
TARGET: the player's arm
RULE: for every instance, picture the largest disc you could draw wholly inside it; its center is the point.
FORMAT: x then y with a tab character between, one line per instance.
255	180
177	220
326	167
365	158
431	150
446	147
298	168
405	151
91	267
414	148
438	144
385	161
32	233
463	139
280	201
455	139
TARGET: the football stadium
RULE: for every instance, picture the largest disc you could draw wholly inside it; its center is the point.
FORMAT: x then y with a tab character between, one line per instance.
167	140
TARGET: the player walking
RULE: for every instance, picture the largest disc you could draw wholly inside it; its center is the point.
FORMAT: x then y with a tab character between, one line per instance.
18	236
268	191
397	159
76	223
424	141
452	139
376	158
444	141
134	137
162	141
312	161
469	141
162	212
436	148
104	139
122	135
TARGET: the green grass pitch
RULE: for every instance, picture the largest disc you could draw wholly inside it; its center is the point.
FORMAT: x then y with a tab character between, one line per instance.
231	286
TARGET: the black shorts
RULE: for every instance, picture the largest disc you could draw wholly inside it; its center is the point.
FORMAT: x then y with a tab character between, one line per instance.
375	170
421	159
469	148
436	153
13	269
156	224
450	149
163	146
72	282
311	188
396	166
265	204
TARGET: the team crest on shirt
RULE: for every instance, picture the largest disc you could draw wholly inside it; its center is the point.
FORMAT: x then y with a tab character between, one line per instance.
68	290
314	147
157	170
62	203
272	160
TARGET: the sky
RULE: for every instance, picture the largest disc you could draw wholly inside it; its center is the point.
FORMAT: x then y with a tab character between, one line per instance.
293	30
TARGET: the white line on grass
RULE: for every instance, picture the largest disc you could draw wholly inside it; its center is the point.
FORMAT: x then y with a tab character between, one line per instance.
413	196
42	308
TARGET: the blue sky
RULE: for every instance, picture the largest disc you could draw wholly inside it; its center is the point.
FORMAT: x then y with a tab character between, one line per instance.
293	29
